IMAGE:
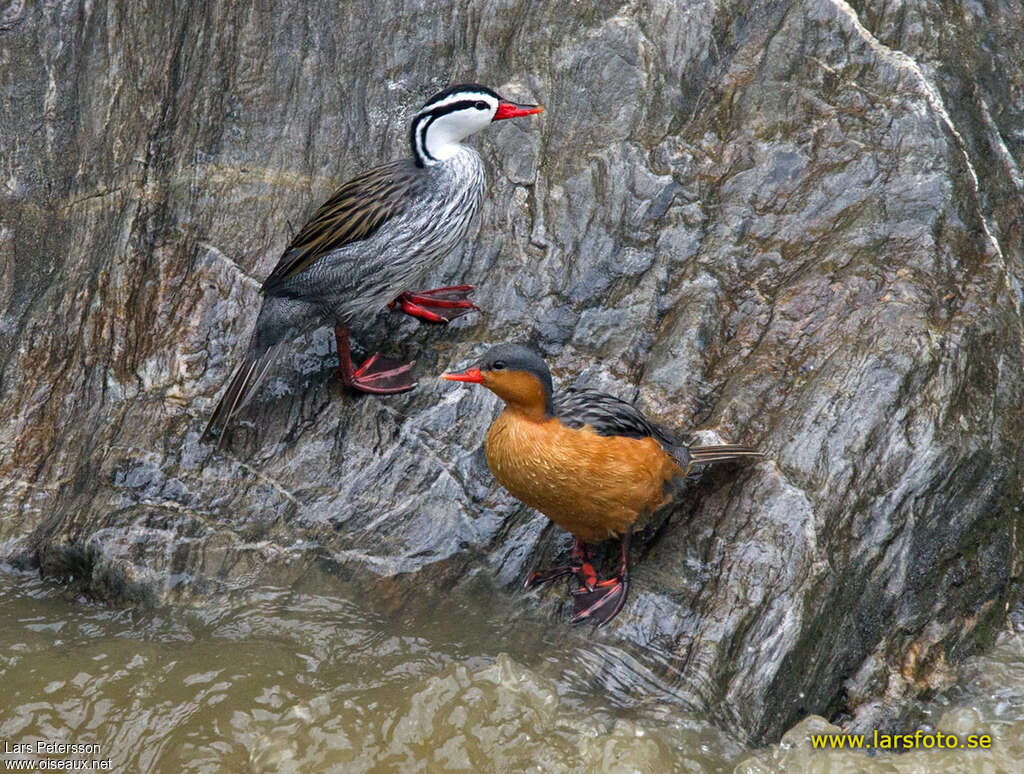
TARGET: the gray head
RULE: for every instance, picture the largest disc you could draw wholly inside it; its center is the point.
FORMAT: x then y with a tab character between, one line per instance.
452	115
516	374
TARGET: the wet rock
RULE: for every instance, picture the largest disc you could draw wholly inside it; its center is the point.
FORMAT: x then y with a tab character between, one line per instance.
795	224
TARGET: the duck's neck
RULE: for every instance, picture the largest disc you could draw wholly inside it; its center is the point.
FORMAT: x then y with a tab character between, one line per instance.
531	412
525	394
431	142
529	401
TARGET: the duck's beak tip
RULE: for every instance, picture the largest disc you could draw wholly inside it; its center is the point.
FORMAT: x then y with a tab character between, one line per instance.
472	376
515	110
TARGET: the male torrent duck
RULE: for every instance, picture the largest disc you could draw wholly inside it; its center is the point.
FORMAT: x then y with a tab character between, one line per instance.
376	238
590	462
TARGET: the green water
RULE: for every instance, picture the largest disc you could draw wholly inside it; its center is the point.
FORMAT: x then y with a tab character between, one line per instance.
299	680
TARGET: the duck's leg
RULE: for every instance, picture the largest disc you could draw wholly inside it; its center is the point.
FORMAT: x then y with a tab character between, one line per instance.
602	601
451	302
579	565
377	374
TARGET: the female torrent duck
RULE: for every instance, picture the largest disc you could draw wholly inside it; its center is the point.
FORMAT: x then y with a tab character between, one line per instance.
590	462
376	238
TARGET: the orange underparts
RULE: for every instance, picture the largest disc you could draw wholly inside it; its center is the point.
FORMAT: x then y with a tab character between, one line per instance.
593	486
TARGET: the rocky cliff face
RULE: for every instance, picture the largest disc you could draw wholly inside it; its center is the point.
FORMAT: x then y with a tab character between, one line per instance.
796	224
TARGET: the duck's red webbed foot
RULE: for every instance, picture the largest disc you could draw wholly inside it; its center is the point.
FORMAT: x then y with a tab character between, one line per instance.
450	302
377	375
594	600
579	566
601	601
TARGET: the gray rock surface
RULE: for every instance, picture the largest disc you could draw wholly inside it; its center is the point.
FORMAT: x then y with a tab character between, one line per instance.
795	224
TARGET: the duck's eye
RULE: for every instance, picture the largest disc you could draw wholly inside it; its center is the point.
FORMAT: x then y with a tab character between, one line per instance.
497	365
481	105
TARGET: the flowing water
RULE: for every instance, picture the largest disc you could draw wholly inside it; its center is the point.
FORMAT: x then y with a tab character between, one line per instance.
298	679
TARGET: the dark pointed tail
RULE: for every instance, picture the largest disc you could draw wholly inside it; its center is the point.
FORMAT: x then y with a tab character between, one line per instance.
703	455
244	383
727	451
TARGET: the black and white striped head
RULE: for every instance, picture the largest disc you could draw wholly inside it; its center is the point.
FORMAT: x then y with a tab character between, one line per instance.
452	115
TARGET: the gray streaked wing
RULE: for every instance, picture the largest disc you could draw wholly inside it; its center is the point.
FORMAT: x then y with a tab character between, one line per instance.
355	212
608	415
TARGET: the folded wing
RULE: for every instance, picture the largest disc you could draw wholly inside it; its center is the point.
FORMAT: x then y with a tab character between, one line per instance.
611	416
356	212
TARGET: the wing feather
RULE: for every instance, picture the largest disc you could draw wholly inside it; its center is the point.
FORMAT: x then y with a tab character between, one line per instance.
355	212
608	415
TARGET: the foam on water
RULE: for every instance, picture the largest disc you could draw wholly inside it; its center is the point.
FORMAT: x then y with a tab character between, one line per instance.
283	680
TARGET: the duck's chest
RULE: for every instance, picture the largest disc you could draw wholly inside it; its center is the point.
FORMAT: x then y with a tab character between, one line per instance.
456	194
526	456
